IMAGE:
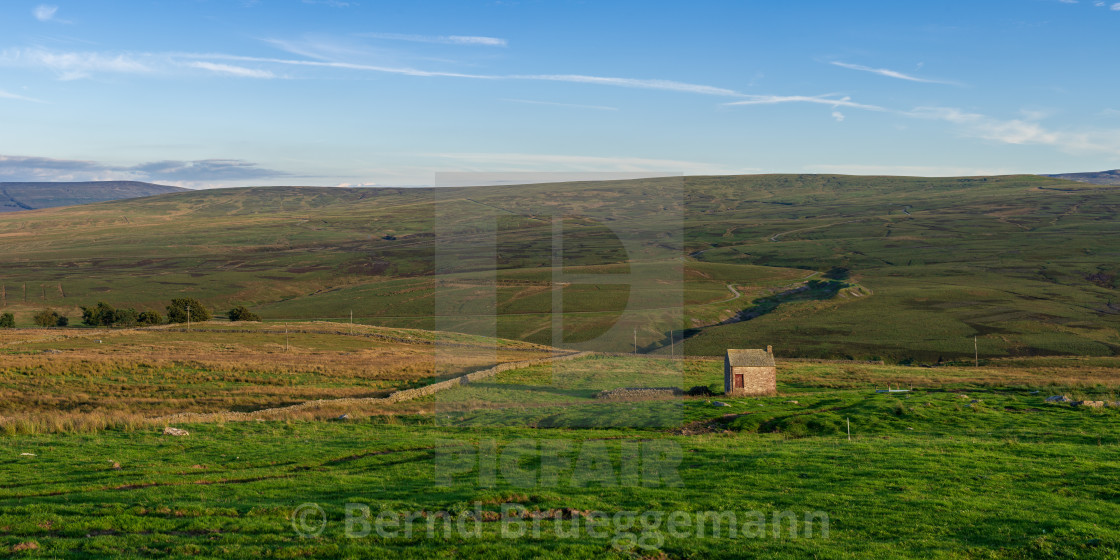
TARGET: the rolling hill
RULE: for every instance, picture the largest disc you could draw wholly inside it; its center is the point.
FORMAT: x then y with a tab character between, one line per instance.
1096	178
900	269
15	197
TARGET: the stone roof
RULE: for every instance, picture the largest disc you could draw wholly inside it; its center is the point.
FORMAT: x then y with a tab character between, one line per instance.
750	358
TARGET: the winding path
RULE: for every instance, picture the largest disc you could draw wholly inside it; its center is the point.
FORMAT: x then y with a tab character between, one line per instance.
776	236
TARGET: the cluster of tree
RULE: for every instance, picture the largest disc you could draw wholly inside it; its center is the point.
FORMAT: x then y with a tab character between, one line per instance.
50	318
183	308
241	313
105	315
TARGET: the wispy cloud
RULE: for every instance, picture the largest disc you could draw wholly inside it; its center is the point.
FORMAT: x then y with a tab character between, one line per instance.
441	39
828	99
230	70
337	55
1024	131
892	74
44	12
557	104
24	168
71	65
74	65
404	70
8	95
664	85
206	170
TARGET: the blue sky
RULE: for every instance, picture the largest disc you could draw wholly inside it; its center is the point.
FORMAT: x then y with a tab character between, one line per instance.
208	93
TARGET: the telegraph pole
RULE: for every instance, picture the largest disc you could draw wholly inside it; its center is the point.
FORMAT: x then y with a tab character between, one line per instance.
976	348
351	322
188	318
635	341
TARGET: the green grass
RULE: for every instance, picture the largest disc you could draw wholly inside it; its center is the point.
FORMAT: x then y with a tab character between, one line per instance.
971	464
1010	478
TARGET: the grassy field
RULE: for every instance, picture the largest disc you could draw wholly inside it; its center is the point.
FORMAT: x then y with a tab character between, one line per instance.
1025	263
972	463
65	378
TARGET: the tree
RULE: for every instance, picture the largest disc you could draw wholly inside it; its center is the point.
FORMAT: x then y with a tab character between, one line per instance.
7	321
150	318
50	318
126	318
241	313
177	311
101	315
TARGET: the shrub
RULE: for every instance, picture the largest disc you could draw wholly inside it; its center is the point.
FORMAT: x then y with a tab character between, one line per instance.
177	311
241	313
126	318
50	318
100	315
7	321
105	315
150	318
700	391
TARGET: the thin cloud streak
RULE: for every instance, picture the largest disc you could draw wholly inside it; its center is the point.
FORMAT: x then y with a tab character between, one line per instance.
404	70
557	104
469	40
892	74
663	85
826	99
77	65
8	95
230	70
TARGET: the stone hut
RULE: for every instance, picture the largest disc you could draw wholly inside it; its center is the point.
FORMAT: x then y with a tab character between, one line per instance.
750	372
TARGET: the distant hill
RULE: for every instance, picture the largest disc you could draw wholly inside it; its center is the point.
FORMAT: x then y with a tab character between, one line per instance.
1098	178
939	267
30	196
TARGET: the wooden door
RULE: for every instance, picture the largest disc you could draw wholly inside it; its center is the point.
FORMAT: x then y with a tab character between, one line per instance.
738	381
